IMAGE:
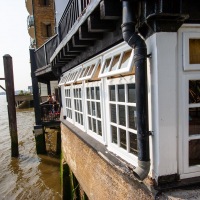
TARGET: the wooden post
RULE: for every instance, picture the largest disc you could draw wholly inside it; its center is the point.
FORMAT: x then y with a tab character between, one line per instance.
10	94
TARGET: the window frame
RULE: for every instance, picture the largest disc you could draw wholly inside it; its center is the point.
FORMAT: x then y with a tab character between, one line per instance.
110	54
186	51
131	158
90	132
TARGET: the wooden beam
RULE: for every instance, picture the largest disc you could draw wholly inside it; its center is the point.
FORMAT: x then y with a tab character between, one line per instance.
110	9
1	79
84	34
80	43
95	24
2	88
10	94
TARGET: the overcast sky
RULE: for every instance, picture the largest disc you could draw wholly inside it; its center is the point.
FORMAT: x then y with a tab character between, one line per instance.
15	41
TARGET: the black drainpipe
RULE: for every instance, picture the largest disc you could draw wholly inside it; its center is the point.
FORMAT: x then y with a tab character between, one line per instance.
140	62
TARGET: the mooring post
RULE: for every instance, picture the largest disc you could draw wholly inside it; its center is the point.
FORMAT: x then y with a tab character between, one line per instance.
10	94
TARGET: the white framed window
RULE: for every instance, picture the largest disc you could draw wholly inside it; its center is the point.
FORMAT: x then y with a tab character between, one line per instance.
121	106
117	61
78	105
94	110
68	103
104	106
191	48
70	76
89	68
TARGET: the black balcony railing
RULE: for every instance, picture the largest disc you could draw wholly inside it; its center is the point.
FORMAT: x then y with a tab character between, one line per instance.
73	11
50	112
44	53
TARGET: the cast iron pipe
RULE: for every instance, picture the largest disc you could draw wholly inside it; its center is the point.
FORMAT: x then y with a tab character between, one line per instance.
140	62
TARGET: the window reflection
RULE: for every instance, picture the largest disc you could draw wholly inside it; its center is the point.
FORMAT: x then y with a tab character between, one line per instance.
131	93
133	143
132	117
113	112
194	152
122	138
121	93
112	92
194	121
194	91
114	134
122	117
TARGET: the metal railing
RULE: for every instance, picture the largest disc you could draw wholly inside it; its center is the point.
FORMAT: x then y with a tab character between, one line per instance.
72	12
50	112
44	53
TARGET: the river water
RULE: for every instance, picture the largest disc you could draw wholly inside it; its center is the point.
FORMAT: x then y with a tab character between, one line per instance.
29	176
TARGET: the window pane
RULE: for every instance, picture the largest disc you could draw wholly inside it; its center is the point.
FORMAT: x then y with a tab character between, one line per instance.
92	92
75	105
88	93
89	123
122	138
106	66
98	110
79	92
80	103
113	113
194	152
194	121
89	109
125	59
114	134
94	125
112	92
81	119
121	93
99	127
194	47
194	91
86	72
97	93
131	93
91	69
115	63
74	93
132	117
133	143
93	109
122	119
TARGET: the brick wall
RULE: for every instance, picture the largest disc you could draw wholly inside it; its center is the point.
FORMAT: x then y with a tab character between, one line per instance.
98	179
43	15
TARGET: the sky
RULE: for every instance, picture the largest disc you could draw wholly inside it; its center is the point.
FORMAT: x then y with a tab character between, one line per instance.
15	41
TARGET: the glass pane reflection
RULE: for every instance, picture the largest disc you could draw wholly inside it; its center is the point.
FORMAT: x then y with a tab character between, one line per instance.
194	121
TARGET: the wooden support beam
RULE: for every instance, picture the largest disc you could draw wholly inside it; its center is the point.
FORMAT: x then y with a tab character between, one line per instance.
84	34
95	24
110	9
71	48
2	88
2	79
80	43
10	93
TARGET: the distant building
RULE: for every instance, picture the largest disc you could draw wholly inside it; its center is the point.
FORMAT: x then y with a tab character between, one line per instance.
30	89
129	76
41	27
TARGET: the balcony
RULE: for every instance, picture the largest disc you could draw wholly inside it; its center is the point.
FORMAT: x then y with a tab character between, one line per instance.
73	11
42	58
29	6
30	21
50	113
83	24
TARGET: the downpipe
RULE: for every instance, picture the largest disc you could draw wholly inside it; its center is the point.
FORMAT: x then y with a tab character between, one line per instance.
140	61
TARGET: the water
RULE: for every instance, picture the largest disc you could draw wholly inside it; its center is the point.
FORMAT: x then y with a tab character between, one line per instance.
29	176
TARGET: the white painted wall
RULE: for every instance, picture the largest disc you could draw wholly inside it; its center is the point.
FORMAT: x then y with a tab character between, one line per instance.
164	111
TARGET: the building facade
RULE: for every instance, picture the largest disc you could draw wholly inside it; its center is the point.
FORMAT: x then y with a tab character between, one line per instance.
129	76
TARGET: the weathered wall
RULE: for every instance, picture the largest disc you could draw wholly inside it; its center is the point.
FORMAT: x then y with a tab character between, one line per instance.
97	178
43	15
